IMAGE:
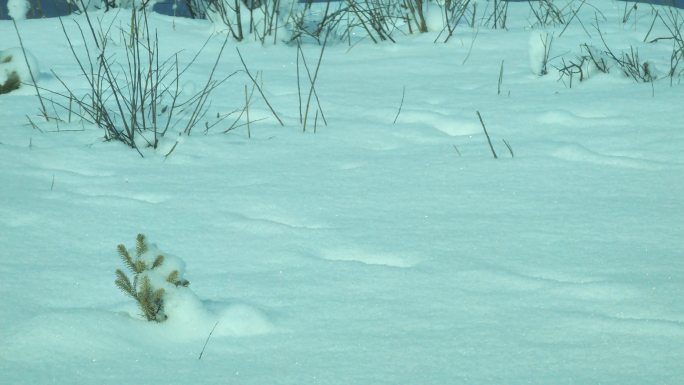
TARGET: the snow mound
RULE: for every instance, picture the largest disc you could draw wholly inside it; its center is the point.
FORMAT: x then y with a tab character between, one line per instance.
243	320
539	52
192	319
434	17
185	316
92	335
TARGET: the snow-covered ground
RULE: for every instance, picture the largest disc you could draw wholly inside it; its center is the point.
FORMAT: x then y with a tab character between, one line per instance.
369	252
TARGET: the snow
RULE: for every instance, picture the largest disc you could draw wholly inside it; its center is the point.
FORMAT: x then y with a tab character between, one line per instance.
368	252
539	51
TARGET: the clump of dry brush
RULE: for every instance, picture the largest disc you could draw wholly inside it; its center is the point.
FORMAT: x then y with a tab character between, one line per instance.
134	96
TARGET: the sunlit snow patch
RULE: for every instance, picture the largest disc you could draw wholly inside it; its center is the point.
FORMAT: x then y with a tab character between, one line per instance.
243	320
370	258
446	123
578	153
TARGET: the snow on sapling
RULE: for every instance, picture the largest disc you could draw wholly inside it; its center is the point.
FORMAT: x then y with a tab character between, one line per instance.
18	9
15	68
9	80
152	278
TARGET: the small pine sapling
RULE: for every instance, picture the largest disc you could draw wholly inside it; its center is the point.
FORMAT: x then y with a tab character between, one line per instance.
150	299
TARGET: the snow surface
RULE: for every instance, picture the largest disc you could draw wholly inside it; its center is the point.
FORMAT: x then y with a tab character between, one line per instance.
368	252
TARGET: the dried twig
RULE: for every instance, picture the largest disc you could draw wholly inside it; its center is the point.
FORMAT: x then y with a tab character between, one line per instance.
401	104
258	87
28	65
207	341
487	135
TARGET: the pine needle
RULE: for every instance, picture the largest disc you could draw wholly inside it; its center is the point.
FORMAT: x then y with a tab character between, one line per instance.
158	305
157	297
158	261
150	300
145	299
139	266
173	277
140	245
128	261
207	341
123	283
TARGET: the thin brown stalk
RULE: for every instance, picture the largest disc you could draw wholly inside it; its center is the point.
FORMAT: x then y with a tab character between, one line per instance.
487	135
21	44
315	76
259	88
401	104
